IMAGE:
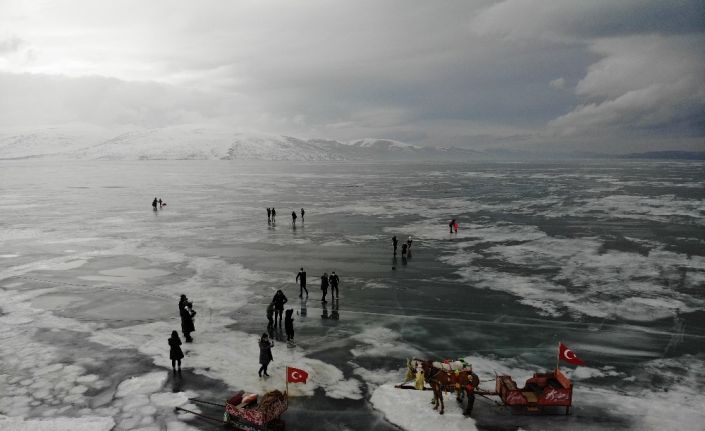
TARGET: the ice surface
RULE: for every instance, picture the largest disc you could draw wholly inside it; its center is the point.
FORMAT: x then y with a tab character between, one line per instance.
544	254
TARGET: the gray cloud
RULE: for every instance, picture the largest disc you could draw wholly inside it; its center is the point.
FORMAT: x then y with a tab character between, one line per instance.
484	73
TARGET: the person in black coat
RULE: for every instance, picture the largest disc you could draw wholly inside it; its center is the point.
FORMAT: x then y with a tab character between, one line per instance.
175	353
293	217
270	315
279	300
394	243
289	325
333	280
274	214
324	286
265	354
187	314
301	278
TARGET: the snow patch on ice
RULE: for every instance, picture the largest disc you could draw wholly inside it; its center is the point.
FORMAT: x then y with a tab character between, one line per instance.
57	424
410	410
145	384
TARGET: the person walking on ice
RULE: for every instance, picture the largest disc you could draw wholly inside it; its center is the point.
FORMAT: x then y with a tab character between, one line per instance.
324	286
175	353
302	215
293	217
265	354
289	327
279	300
334	280
301	278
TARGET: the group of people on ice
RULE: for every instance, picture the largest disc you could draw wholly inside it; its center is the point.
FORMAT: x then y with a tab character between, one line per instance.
187	313
272	214
158	201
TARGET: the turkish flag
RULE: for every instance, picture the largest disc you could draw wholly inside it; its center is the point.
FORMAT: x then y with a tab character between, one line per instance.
295	375
565	354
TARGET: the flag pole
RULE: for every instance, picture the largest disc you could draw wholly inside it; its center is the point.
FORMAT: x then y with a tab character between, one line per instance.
558	355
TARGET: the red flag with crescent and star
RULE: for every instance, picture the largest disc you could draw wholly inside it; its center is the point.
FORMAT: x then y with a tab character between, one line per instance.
295	375
565	354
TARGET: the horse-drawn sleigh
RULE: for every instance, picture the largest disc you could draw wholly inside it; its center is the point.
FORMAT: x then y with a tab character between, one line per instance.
541	394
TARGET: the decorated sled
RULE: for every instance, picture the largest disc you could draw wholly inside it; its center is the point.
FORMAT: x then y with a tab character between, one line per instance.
541	393
249	412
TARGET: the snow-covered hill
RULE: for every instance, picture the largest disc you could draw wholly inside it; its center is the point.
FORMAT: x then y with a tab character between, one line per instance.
207	142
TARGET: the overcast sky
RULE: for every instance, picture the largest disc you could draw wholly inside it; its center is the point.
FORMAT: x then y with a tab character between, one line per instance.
594	75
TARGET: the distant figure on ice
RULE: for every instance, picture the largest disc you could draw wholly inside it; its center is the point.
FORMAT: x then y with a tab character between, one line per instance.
302	215
408	247
394	243
265	354
175	353
269	214
324	286
455	226
450	225
274	214
333	281
279	300
160	203
293	217
154	204
301	278
270	315
289	326
187	314
403	250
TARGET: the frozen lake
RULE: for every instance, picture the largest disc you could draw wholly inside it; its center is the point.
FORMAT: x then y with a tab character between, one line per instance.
607	257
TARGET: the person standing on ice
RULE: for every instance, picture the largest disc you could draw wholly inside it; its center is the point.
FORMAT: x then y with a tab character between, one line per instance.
154	204
269	215
187	314
265	354
175	353
293	217
270	315
334	280
302	215
324	286
455	226
301	279
450	225
279	300
403	250
394	243
289	326
274	214
160	203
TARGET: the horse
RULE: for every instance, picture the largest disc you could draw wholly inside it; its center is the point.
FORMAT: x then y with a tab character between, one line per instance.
462	381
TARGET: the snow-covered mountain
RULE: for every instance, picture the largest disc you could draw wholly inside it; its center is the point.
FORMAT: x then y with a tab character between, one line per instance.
204	143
